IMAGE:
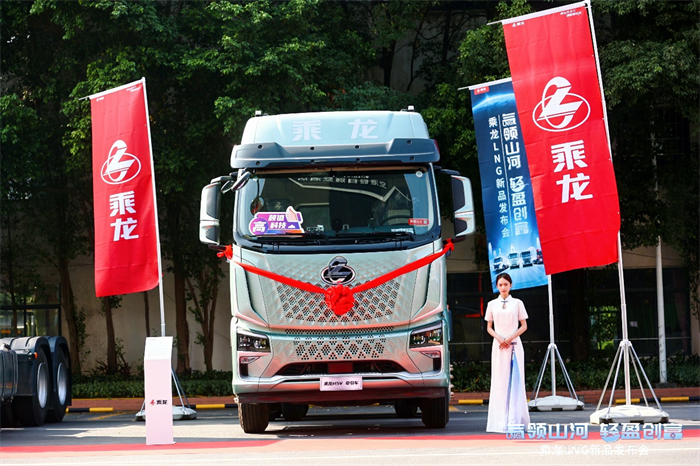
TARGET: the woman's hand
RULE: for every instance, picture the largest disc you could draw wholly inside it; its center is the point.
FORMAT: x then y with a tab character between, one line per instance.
504	343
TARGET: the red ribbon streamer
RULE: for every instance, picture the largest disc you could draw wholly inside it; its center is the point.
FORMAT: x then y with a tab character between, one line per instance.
339	298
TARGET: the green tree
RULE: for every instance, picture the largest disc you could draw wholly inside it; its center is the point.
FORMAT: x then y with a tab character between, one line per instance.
171	44
38	69
649	57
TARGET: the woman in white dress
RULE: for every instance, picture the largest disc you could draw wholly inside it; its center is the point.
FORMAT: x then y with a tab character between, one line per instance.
507	320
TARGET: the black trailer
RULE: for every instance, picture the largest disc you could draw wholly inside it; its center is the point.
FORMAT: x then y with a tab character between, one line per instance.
35	380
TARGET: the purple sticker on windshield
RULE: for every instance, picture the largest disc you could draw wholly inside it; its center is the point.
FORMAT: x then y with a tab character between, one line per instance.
276	223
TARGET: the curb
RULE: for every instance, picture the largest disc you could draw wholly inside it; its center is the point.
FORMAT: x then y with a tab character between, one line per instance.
134	404
70	410
669	399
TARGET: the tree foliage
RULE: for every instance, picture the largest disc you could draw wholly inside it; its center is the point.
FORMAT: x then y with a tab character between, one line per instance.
210	65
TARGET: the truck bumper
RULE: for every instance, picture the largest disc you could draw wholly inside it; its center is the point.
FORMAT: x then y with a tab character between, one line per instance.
267	381
366	395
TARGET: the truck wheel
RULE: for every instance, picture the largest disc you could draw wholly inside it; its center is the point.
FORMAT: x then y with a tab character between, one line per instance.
405	409
32	410
59	397
7	416
253	417
436	412
292	412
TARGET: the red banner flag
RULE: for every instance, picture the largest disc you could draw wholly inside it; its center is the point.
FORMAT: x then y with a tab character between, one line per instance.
558	95
126	234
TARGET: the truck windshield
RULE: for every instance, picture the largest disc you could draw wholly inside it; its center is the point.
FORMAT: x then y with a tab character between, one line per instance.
345	205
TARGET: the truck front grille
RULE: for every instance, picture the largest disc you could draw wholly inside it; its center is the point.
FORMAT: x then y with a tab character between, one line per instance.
370	306
340	348
289	307
338	331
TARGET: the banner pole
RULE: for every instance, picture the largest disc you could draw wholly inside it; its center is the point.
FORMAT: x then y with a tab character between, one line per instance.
623	299
551	334
625	413
155	215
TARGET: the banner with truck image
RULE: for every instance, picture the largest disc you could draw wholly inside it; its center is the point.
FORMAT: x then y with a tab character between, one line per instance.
509	208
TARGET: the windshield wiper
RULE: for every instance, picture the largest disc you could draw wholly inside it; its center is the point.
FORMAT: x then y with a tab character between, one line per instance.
389	235
288	238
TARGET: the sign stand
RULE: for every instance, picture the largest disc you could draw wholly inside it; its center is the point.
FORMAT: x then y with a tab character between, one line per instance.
626	413
115	170
158	397
184	412
554	402
179	412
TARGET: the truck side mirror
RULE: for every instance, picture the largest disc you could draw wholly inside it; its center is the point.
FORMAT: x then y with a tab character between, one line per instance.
210	207
463	202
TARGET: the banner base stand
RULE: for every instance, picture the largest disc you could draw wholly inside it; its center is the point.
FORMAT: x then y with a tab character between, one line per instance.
555	402
184	412
180	413
628	413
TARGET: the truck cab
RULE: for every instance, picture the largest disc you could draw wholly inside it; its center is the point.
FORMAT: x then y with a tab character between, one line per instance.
327	202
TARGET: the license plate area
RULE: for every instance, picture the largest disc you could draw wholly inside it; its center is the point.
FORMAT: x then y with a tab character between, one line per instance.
334	384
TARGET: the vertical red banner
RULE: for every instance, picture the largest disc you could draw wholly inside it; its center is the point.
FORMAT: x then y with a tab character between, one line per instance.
556	86
126	239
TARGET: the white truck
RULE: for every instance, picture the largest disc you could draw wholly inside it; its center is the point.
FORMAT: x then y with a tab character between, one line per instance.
35	380
338	273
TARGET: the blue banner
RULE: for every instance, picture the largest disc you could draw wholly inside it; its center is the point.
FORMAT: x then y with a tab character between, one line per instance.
509	208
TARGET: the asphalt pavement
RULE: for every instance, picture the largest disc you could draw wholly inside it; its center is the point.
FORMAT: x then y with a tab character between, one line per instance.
339	436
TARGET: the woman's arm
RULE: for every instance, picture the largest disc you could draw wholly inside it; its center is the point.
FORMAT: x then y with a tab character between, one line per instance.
493	333
520	331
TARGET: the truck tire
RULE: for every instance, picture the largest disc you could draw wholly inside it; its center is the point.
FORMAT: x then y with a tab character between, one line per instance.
32	410
293	412
253	417
405	409
436	411
59	396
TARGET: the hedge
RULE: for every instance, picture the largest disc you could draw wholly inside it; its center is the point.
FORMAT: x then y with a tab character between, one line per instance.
468	377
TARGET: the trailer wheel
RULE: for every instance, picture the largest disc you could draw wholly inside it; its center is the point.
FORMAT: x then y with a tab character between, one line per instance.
405	409
59	397
293	412
32	410
436	411
7	416
253	417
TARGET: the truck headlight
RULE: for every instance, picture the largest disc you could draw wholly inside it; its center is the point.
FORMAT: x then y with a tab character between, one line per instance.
253	342
431	336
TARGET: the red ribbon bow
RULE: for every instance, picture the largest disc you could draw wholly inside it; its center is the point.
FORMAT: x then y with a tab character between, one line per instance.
339	299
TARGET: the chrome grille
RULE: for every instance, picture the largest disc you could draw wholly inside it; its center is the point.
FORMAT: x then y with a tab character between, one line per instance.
339	331
340	349
328	348
287	306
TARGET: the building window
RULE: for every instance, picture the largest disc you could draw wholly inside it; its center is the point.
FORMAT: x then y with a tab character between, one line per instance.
468	295
37	313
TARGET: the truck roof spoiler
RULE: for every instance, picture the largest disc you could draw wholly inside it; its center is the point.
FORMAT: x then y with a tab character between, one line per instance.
269	155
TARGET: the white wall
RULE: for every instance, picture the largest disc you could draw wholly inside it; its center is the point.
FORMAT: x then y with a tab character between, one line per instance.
129	319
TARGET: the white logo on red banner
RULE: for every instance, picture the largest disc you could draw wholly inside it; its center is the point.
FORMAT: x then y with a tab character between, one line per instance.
559	109
118	167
